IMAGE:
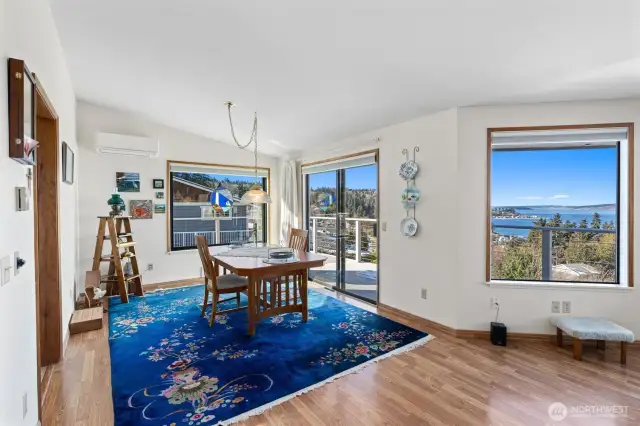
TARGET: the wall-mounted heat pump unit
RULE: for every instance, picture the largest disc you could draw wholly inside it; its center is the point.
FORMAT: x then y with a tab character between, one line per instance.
115	144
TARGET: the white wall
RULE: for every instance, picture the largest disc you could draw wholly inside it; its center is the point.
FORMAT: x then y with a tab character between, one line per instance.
98	174
27	31
526	310
448	256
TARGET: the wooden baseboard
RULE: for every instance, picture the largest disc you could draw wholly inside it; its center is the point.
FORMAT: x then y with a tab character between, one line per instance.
173	284
483	334
463	334
432	325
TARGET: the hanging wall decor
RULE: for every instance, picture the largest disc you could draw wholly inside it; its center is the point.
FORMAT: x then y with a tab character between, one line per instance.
22	112
411	195
68	163
128	182
141	209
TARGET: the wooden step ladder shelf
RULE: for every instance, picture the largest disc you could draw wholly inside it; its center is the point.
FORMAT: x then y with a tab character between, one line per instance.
119	238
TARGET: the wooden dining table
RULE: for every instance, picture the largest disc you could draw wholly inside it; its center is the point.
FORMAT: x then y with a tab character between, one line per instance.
273	289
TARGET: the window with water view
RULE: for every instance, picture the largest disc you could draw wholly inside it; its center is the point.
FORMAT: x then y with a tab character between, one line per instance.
554	214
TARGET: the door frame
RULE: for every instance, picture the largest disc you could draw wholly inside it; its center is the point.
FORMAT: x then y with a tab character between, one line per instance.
46	178
304	179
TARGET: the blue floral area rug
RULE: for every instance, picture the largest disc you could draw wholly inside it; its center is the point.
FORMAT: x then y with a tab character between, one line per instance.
168	368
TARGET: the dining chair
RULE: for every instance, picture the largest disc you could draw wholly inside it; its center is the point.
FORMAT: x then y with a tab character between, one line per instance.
217	284
298	239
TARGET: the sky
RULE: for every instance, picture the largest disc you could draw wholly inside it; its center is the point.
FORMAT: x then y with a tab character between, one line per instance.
364	177
567	177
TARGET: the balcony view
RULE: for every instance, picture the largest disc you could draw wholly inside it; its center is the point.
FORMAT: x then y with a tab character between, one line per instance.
554	215
349	238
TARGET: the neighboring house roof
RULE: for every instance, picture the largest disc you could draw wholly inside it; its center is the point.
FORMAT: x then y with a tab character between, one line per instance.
204	188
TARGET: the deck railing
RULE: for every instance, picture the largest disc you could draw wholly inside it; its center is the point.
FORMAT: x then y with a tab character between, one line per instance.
360	244
188	239
546	243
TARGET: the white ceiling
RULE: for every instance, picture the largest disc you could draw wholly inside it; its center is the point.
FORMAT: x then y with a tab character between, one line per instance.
318	71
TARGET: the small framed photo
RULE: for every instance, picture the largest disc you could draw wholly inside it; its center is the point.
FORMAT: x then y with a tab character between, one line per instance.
159	208
160	195
158	184
68	164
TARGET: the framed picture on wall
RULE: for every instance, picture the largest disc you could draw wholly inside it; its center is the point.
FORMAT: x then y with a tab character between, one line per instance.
141	209
158	184
68	164
128	182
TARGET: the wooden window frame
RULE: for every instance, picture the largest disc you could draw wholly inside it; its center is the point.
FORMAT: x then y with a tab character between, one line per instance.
169	197
629	188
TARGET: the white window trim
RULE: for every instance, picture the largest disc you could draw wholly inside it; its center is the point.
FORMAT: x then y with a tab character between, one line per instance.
558	285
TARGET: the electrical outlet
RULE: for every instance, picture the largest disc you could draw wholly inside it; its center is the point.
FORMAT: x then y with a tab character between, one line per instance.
566	307
555	307
384	225
423	293
150	267
25	408
495	303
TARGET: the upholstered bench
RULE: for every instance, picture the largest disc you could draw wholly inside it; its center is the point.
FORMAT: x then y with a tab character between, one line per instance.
589	328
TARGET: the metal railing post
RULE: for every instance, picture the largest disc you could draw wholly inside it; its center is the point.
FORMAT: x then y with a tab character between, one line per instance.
313	235
547	262
358	248
217	234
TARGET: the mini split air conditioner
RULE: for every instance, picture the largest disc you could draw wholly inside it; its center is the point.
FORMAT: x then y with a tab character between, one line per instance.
115	144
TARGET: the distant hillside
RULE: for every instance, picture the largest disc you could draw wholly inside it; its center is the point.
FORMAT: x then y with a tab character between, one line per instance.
611	207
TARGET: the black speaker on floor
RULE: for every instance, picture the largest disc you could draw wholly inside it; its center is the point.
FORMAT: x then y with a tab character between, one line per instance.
498	334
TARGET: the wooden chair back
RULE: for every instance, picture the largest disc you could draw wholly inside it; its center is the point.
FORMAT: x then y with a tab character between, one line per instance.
298	239
205	258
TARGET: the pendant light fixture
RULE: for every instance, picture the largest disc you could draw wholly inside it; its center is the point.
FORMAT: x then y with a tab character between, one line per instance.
255	194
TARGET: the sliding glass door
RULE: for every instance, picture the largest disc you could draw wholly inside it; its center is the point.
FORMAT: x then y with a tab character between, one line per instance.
322	224
341	211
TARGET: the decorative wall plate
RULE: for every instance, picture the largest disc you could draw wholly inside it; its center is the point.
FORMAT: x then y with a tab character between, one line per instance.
408	170
408	227
410	196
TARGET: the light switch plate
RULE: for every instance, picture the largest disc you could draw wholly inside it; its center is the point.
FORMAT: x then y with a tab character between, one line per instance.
22	200
384	225
5	270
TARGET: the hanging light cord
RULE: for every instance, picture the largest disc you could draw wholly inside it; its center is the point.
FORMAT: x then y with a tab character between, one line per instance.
253	138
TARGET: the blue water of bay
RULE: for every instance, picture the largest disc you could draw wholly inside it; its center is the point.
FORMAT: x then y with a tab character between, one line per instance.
567	214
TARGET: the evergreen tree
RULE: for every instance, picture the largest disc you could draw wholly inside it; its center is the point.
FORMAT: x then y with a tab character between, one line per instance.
555	221
596	222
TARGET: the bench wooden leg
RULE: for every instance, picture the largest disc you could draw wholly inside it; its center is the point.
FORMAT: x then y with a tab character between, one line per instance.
600	344
577	349
623	353
558	337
